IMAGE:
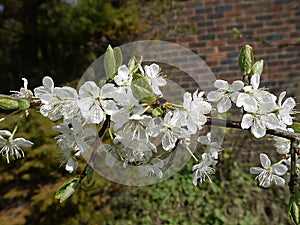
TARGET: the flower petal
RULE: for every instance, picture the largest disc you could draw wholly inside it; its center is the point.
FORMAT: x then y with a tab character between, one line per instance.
279	169
265	161
224	105
237	85
247	121
221	84
255	79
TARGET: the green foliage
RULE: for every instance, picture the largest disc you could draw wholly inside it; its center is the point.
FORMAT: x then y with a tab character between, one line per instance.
142	90
258	67
50	37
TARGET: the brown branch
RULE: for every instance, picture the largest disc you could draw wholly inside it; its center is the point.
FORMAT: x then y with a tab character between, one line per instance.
237	124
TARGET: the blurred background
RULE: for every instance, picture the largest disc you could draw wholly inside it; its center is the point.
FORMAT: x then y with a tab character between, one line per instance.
61	38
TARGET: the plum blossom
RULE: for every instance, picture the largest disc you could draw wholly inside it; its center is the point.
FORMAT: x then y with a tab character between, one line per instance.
269	173
154	77
56	102
12	147
195	108
285	109
255	99
212	147
74	140
225	94
124	77
203	169
171	128
260	107
93	102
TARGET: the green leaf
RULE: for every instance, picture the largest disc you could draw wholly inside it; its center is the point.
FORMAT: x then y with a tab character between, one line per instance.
246	59
294	210
258	67
66	190
118	58
89	171
109	62
8	103
296	127
157	112
142	90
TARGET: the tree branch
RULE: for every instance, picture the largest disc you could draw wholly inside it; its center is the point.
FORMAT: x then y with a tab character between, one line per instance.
237	124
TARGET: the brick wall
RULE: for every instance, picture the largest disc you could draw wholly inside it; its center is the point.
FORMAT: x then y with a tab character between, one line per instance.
265	25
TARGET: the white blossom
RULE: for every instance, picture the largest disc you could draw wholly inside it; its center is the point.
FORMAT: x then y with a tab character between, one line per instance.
24	92
56	102
285	109
93	103
196	108
203	169
213	148
171	128
225	94
12	147
154	77
269	173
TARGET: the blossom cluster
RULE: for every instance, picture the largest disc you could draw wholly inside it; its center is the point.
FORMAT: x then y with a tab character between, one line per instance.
130	108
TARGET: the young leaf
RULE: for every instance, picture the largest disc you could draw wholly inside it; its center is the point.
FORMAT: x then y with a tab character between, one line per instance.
118	58
109	62
66	190
8	103
142	90
246	59
294	211
296	127
89	171
258	67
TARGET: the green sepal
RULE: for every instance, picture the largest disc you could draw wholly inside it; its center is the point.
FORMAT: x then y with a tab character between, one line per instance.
8	103
246	59
67	189
24	104
258	67
157	112
109	62
142	90
296	127
102	82
118	58
89	171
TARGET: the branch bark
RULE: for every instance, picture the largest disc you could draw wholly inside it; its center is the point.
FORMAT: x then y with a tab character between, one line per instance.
237	124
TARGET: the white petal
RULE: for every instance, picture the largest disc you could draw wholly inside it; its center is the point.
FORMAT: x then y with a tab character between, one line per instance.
281	96
256	170
5	133
247	121
237	85
21	142
221	84
214	96
279	169
48	84
255	79
168	141
279	181
265	161
258	129
289	104
71	165
224	105
89	89
96	115
109	160
271	121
